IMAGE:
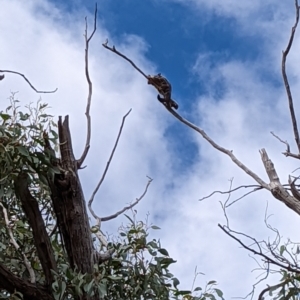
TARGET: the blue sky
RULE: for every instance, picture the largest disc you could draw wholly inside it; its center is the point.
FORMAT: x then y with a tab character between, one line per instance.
223	60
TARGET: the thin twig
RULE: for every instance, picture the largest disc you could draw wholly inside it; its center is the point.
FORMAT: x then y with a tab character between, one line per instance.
225	203
243	196
129	206
257	187
271	287
282	141
90	84
113	49
17	247
13	72
285	79
106	168
260	253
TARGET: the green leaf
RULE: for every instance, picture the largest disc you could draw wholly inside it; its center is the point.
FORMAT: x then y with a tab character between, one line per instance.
211	282
23	117
282	249
129	219
151	252
183	293
175	282
54	134
155	227
78	290
43	179
102	290
115	277
23	150
219	293
5	117
43	105
163	251
45	116
54	284
88	287
62	289
56	296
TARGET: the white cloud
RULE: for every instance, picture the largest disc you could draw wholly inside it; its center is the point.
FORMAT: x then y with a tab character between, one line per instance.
46	45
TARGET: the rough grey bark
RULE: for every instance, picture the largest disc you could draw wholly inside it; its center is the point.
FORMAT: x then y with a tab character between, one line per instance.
74	218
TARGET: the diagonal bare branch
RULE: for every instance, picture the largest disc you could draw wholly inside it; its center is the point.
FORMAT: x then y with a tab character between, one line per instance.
285	79
113	49
220	148
129	206
13	72
201	131
149	78
90	84
107	167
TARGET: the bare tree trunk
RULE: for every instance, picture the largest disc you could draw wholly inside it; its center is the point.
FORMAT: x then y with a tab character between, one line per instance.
74	224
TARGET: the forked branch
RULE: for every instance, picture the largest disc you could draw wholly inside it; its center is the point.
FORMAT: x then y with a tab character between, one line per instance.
137	200
107	167
90	85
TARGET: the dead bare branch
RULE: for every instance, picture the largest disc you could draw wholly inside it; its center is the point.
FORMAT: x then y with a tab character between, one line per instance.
270	260
221	149
223	205
113	49
255	186
294	190
90	85
129	206
282	141
273	186
285	79
149	78
243	196
276	188
13	72
106	168
297	156
98	233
